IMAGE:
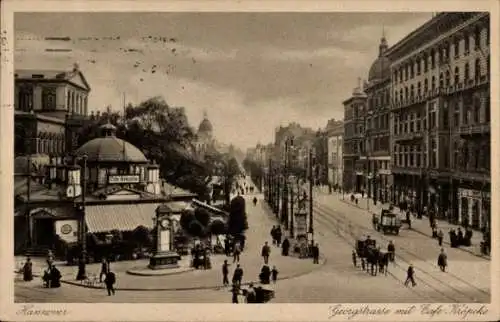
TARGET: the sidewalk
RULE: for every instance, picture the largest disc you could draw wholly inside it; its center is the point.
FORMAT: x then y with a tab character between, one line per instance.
251	262
420	226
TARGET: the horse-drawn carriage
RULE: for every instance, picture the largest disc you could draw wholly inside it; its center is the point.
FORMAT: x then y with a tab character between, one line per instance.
389	222
372	258
263	293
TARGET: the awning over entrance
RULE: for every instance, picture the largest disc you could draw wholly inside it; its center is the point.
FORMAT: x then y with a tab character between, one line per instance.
105	218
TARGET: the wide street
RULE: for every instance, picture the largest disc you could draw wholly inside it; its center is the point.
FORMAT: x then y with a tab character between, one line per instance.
337	225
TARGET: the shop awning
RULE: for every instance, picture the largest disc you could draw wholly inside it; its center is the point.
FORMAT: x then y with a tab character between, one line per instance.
105	218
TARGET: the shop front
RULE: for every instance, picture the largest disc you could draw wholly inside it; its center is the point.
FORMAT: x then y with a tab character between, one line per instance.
473	208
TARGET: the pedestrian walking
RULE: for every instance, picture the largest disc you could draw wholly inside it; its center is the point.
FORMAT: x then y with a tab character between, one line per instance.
440	237
28	270
110	281
104	268
266	251
279	234
410	276
285	247
238	275
236	252
225	273
354	258
273	234
81	274
274	274
315	253
442	260
391	249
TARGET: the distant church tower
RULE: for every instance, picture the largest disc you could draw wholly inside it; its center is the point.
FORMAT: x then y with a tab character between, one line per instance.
205	140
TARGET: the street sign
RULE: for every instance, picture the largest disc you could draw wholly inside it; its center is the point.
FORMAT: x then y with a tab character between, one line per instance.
114	179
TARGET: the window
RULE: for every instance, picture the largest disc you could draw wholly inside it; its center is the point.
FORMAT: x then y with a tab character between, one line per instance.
432	116
433	59
406	92
466	44
446	51
466	72
447	78
441	80
25	98
406	72
456	48
418	155
401	95
426	86
401	74
412	91
433	83
412	123
395	77
457	75
419	89
477	39
412	69
49	98
465	114
456	116
477	69
418	66
411	156
456	155
477	110
434	158
425	62
446	159
445	116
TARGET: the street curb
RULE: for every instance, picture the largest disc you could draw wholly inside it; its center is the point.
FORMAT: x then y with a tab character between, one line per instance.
422	233
218	286
134	272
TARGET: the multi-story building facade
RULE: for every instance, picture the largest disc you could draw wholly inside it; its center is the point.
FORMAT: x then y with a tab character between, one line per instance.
335	145
354	133
375	159
49	107
441	116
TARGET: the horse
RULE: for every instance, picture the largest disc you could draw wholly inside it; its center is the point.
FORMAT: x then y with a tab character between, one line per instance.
383	262
372	255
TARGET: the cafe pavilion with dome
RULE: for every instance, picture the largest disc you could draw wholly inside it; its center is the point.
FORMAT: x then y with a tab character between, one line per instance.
107	185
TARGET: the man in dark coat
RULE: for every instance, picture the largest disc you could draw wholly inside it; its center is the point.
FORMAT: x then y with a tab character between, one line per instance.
285	247
266	251
440	236
225	273
279	234
391	249
238	275
315	253
265	275
410	276
55	277
235	292
81	275
460	237
273	234
110	281
442	260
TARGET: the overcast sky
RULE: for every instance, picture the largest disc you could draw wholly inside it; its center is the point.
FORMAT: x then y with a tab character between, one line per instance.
250	72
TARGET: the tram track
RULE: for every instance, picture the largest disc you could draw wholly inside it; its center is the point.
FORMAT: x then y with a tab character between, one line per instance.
341	225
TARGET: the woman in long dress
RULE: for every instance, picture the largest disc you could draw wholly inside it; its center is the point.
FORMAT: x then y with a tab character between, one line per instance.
28	270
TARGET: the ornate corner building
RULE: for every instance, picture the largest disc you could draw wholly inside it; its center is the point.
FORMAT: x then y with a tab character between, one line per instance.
423	120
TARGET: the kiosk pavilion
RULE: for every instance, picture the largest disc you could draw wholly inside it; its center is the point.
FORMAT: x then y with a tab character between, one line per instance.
107	186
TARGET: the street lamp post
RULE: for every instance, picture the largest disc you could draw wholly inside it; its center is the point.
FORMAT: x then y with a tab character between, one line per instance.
284	208
291	210
311	221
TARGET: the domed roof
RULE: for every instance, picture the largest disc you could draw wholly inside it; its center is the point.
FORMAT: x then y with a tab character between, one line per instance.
111	149
380	67
205	126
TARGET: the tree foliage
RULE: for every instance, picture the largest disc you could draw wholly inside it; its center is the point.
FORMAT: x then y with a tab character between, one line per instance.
164	135
217	227
202	215
237	223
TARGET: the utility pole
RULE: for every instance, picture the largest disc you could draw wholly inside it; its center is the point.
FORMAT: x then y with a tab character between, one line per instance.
284	208
311	221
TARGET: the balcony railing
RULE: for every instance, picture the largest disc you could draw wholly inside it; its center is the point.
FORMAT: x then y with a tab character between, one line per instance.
408	136
475	129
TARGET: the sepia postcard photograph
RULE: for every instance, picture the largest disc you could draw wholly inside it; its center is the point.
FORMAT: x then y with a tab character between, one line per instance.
341	157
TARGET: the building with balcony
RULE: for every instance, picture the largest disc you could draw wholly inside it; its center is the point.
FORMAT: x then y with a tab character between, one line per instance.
354	133
440	122
335	144
376	157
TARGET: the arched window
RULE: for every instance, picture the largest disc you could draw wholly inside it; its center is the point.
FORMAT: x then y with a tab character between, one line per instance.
447	78
426	86
457	75
466	72
477	69
441	80
433	83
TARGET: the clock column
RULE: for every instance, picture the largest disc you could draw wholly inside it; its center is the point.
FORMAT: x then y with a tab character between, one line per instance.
163	256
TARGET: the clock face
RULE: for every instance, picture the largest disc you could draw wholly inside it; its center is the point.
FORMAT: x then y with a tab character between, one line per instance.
164	223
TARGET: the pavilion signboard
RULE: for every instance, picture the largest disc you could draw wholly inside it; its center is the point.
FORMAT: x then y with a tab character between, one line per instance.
117	179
